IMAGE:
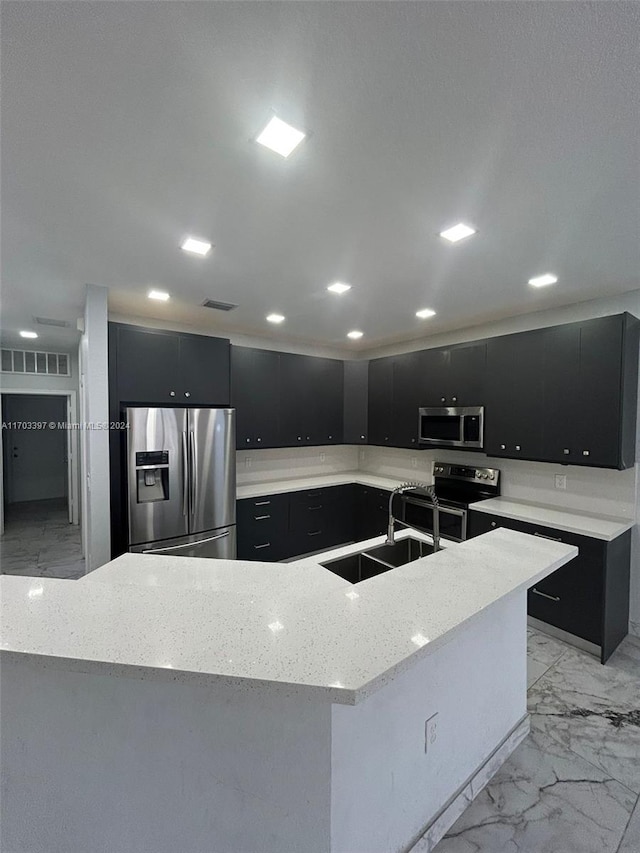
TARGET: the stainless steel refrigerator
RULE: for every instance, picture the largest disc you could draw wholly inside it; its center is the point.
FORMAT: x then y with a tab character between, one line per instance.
182	481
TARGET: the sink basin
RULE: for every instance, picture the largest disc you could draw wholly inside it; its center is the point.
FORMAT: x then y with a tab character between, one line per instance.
403	551
374	561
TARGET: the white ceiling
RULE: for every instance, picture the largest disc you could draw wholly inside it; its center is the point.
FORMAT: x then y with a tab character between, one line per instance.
126	126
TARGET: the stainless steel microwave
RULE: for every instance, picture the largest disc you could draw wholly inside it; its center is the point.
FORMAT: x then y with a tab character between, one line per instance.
445	426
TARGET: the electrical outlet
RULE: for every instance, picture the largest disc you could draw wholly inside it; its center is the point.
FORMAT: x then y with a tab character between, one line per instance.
247	462
560	481
430	732
414	461
323	456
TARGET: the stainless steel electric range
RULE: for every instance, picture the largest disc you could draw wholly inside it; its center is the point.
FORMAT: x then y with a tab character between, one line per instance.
457	487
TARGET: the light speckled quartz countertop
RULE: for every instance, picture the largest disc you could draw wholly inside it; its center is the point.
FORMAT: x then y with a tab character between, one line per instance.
571	521
287	627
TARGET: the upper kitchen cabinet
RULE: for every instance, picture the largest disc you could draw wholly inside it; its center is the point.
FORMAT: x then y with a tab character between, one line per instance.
381	401
356	402
514	395
311	400
255	384
408	381
590	401
168	368
454	376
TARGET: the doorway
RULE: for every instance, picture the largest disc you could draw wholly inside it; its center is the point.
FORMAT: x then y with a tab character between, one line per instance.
39	487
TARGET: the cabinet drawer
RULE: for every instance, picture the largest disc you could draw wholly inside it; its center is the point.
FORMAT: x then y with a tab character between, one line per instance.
571	598
262	527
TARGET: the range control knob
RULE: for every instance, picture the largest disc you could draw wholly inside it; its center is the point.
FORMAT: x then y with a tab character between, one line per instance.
478	473
491	475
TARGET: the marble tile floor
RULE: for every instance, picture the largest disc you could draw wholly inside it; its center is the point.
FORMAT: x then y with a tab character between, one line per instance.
39	541
573	785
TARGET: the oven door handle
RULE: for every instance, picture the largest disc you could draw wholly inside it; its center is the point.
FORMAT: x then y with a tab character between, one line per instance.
448	510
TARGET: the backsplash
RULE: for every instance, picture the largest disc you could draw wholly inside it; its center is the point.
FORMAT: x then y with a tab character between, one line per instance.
594	490
260	466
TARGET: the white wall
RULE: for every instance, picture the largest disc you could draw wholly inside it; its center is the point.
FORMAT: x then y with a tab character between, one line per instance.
384	787
94	410
262	466
37	470
108	764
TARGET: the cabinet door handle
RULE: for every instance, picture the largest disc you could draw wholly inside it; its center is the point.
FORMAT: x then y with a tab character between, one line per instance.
315	533
503	447
544	595
585	452
494	524
262	503
454	399
261	517
544	536
187	393
248	440
172	393
266	545
518	447
258	440
313	494
442	399
566	451
314	508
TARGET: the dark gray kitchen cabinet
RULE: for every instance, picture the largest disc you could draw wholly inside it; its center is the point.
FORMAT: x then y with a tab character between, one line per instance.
407	384
371	511
380	401
278	527
169	368
255	388
514	395
589	596
310	400
320	518
454	376
590	392
263	528
355	402
607	387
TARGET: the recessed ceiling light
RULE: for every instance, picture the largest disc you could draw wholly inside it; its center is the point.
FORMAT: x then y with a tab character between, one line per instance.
424	313
275	318
196	247
543	280
354	335
28	334
160	295
339	287
280	137
458	232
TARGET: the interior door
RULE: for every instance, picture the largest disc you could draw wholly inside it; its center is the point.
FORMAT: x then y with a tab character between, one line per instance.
157	474
212	463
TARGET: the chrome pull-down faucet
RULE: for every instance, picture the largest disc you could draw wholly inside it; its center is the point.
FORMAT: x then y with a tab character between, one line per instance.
431	493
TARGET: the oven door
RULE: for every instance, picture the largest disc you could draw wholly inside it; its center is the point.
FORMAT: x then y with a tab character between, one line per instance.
453	520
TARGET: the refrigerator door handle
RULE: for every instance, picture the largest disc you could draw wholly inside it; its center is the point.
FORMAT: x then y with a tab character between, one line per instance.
193	472
185	474
187	544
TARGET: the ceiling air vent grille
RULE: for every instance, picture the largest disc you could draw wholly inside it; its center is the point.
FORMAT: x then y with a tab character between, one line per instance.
37	363
49	321
218	306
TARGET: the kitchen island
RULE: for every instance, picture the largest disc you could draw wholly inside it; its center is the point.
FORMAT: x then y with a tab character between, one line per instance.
166	703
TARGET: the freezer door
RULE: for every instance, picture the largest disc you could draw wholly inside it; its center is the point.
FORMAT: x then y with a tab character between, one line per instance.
157	465
212	460
216	544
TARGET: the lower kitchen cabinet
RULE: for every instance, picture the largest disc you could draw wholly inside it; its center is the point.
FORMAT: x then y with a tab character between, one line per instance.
278	527
263	528
589	596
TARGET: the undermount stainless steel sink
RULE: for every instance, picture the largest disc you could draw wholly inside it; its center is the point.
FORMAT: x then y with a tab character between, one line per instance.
374	561
402	551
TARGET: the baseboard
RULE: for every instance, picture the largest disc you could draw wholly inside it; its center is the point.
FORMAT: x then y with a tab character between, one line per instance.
467	792
634	629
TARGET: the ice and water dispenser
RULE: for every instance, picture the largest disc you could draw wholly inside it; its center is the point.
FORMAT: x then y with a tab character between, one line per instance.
152	476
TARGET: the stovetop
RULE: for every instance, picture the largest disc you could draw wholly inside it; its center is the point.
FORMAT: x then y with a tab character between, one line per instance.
461	485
